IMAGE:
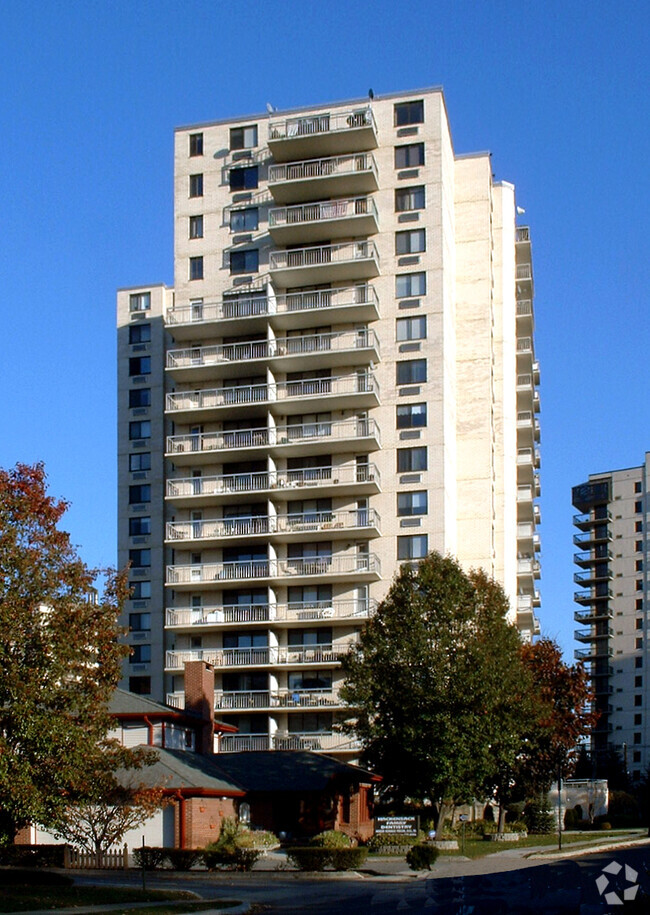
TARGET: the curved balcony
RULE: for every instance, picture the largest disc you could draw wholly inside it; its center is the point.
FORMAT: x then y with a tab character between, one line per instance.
337	131
296	612
323	220
269	656
314	351
358	260
359	390
362	523
199	320
332	176
330	437
344	479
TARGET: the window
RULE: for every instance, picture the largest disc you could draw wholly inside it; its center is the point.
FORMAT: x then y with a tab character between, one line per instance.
409	198
638	662
140	397
639	603
408	285
140	333
409	156
196	226
243	179
411	416
638	682
638	546
138	526
639	565
637	738
140	686
638	507
243	137
638	526
413	371
139	494
639	584
140	654
412	503
140	301
196	144
409	113
412	241
196	268
140	622
638	624
637	486
244	261
414	547
638	644
140	590
638	719
411	328
410	459
140	365
196	185
140	559
140	429
140	461
638	700
245	220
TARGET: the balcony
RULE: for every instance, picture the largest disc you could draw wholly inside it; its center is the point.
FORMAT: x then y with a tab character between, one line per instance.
337	263
592	595
334	176
327	525
528	566
332	132
590	635
585	520
330	437
525	355
342	479
527	538
296	612
527	427
323	220
270	656
198	320
593	653
593	575
296	571
347	304
598	534
326	741
588	557
341	348
522	234
274	700
593	614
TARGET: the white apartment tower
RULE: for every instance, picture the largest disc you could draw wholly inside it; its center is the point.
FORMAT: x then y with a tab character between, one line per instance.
341	379
612	539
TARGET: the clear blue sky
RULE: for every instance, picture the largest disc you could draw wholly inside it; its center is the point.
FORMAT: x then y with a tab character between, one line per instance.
91	92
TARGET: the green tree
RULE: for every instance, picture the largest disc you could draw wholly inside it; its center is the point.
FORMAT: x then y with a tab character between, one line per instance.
60	657
438	685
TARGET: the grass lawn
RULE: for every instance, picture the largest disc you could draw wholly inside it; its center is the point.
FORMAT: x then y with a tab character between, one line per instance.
26	898
477	848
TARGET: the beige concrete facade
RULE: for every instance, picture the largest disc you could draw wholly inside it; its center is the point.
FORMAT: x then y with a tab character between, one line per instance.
348	374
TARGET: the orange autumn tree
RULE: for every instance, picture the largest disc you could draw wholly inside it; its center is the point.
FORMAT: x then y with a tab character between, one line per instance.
60	658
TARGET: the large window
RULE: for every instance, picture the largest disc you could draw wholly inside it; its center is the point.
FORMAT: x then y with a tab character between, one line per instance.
140	365
196	268
411	155
140	333
196	185
138	494
409	113
140	622
140	397
412	241
409	198
413	547
411	459
139	526
140	590
408	285
141	460
414	328
412	503
245	220
413	371
196	226
140	559
244	261
141	429
140	301
411	415
196	144
140	654
243	137
243	179
140	686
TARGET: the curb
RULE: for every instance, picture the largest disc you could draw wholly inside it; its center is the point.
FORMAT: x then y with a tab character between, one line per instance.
589	850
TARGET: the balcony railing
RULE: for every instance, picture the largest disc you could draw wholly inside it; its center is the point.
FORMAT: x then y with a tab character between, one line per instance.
524	272
323	255
241	743
295	434
296	611
276	699
305	522
268	656
318	566
522	233
205	312
321	124
308	300
305	216
278	479
328	167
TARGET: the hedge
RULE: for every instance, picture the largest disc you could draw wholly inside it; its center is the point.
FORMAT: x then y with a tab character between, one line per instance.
318	858
33	855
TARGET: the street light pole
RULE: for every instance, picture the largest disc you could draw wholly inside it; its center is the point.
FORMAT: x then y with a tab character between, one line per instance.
559	805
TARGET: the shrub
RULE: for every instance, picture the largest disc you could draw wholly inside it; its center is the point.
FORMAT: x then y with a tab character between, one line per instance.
517	826
385	841
150	857
570	819
623	809
256	838
348	859
28	877
421	857
311	858
33	855
538	817
229	857
605	825
332	838
183	859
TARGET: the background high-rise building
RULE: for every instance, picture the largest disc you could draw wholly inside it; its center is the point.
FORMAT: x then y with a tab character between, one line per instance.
342	379
613	599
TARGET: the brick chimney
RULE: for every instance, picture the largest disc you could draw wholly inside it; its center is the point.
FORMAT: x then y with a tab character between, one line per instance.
199	700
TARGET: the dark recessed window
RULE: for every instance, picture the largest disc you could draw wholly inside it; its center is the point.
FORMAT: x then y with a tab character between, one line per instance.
414	328
408	285
140	333
244	261
140	686
409	198
414	547
245	220
139	494
139	526
411	459
638	507
196	144
409	113
141	460
196	268
140	590
413	371
243	137
140	365
412	503
140	622
243	179
140	397
140	429
140	654
409	156
413	241
140	559
196	226
411	416
196	185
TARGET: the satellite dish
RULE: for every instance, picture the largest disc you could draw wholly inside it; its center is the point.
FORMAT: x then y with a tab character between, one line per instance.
270	108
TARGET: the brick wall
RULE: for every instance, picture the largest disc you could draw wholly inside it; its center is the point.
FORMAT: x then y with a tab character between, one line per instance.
203	818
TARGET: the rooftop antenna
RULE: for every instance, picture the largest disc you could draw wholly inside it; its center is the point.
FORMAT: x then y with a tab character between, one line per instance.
371	94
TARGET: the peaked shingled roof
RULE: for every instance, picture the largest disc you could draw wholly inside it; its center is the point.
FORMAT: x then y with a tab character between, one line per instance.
287	770
177	769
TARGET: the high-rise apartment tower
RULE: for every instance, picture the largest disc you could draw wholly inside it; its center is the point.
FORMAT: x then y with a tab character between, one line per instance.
342	378
612	540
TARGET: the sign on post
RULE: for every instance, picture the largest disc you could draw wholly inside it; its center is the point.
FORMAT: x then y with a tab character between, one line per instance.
385	826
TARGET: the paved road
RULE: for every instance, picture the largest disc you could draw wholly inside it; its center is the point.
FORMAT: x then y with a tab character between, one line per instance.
502	883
